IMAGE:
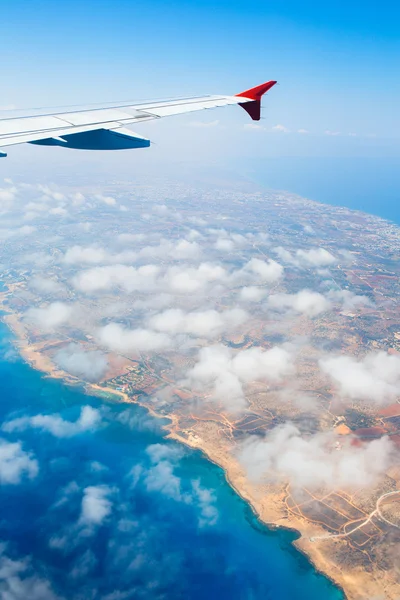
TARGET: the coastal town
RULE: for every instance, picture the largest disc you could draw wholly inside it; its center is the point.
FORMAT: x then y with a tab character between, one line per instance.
101	299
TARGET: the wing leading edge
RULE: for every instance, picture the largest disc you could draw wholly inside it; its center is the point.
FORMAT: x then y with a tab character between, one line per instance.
104	128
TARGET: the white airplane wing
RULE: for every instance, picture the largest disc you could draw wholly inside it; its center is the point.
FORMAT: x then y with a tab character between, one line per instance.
104	128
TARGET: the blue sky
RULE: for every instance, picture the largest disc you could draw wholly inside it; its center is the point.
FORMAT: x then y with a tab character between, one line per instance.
336	64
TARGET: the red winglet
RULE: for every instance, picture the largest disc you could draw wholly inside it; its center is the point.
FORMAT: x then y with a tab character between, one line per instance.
255	94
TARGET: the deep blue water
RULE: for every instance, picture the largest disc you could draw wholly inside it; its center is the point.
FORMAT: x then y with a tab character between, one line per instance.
368	184
160	538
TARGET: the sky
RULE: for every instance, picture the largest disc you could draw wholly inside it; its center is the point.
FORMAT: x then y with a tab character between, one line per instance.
335	62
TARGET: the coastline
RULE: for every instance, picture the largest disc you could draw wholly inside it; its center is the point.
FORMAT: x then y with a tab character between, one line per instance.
353	586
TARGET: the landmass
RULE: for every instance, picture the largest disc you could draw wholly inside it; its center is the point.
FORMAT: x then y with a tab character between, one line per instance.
350	533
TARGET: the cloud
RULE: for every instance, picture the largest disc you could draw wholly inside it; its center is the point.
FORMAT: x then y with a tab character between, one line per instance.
303	131
314	257
96	255
193	279
350	300
280	129
108	200
90	365
127	278
16	463
209	323
89	419
7	195
253	127
374	378
46	285
119	339
321	460
161	477
18	581
206	500
252	293
51	316
221	374
266	271
305	302
96	505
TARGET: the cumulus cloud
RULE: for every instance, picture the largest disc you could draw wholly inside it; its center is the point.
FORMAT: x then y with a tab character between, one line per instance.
96	505
252	293
305	302
314	257
51	316
193	279
374	378
18	581
175	250
117	338
267	271
46	285
16	463
126	278
222	374
321	460
280	128
350	301
89	419
91	365
161	477
96	255
209	323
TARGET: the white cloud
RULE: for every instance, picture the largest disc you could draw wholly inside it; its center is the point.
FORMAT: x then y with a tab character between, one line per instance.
329	132
222	374
253	127
108	200
321	460
96	505
51	316
16	463
314	257
161	477
267	271
125	277
96	255
305	302
18	581
119	339
350	300
280	129
209	323
252	293
303	131
88	420
374	378
45	285
88	364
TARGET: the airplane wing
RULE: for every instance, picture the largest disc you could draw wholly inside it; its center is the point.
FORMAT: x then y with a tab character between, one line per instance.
104	128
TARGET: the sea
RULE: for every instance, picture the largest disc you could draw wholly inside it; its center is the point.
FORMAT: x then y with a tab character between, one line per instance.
369	184
116	511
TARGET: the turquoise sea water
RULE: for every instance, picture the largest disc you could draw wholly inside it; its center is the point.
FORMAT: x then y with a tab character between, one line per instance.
172	528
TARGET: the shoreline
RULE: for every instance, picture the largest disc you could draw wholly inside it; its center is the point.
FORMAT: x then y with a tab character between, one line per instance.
350	591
